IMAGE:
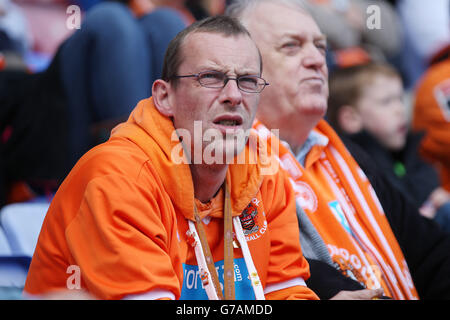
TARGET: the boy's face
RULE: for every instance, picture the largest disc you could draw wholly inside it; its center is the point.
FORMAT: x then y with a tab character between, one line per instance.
382	111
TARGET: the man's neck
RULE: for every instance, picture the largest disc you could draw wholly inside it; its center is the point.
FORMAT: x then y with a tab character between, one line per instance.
207	180
295	141
296	136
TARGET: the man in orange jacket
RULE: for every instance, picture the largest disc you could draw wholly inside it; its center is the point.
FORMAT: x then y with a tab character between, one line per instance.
369	232
157	212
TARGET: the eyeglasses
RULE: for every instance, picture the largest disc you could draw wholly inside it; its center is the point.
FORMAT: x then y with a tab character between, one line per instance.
217	79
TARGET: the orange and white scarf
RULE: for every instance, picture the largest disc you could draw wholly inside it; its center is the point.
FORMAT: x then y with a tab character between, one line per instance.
342	205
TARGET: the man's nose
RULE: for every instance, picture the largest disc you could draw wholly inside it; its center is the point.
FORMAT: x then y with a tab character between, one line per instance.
313	57
231	94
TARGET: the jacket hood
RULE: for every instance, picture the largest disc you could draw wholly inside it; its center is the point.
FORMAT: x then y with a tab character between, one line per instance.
155	134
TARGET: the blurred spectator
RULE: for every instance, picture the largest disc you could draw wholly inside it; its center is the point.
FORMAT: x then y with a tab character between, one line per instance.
14	26
109	65
346	25
33	144
8	54
426	25
47	29
431	114
366	105
49	119
204	8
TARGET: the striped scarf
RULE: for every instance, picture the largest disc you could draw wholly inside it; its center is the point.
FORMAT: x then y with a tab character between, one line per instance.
340	202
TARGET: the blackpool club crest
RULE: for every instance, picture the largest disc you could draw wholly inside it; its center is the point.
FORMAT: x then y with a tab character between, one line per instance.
248	218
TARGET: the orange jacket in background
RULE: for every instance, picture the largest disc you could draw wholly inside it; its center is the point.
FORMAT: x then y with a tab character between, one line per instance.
432	115
120	217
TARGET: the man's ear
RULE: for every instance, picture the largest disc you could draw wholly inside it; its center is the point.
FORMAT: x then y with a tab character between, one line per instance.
349	119
161	92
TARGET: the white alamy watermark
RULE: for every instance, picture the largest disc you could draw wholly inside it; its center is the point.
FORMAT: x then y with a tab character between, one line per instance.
74	19
373	21
213	146
73	282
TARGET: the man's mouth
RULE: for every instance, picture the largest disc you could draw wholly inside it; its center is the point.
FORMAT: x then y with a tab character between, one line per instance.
228	121
313	80
403	129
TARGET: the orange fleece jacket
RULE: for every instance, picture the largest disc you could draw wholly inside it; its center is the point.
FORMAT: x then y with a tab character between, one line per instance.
121	217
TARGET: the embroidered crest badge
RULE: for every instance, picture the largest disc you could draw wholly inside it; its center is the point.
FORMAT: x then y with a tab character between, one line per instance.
248	219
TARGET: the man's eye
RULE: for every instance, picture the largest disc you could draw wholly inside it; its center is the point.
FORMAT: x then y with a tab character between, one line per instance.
249	83
291	47
211	78
321	47
248	80
291	44
211	75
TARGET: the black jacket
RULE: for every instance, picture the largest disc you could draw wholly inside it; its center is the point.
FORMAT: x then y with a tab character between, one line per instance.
425	246
33	128
419	178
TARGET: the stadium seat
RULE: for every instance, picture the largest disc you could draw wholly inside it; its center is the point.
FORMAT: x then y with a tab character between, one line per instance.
20	224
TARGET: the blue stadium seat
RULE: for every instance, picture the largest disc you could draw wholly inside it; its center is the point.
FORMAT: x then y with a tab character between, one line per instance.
5	249
20	224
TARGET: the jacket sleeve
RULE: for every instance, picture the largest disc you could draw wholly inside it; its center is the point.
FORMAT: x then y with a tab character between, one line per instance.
292	293
429	116
327	281
288	269
425	246
120	240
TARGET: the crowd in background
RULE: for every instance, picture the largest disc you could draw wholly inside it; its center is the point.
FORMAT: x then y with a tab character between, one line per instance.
62	90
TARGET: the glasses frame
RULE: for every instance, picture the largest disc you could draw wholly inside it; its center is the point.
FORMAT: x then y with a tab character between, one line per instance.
227	78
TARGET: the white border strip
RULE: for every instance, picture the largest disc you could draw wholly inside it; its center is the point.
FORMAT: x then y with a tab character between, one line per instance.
253	273
151	295
285	284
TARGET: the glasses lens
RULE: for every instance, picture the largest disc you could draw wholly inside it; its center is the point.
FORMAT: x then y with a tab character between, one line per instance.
251	83
211	79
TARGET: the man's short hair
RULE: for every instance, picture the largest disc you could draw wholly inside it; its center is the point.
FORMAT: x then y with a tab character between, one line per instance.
347	85
223	25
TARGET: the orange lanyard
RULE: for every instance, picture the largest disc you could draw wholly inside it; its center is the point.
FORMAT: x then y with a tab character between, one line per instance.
228	250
